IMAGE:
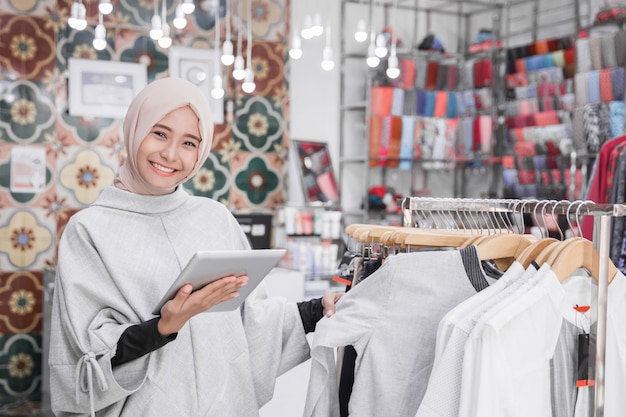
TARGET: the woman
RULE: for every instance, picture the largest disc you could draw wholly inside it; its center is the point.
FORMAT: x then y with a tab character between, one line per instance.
109	356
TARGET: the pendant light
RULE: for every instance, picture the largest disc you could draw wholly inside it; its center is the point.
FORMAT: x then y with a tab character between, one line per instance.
217	90
99	40
372	59
327	55
317	29
165	41
393	71
361	34
187	6
105	7
227	57
381	46
238	70
156	29
307	32
295	52
78	16
248	85
180	19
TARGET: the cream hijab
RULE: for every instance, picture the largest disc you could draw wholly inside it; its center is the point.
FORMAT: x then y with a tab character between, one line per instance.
153	103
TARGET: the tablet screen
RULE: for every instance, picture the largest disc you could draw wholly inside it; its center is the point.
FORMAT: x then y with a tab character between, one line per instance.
208	266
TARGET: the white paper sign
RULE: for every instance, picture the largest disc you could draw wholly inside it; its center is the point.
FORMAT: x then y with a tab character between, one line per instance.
28	169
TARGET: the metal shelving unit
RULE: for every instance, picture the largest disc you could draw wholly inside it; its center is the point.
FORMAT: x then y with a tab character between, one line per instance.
513	22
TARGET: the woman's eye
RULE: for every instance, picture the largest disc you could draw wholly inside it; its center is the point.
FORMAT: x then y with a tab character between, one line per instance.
191	143
159	134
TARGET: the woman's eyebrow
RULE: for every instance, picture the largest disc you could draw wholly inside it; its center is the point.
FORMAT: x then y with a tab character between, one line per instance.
190	135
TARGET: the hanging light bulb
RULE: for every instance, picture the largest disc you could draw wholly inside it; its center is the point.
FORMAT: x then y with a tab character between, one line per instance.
217	91
78	14
381	46
307	32
372	59
227	48
360	35
227	53
99	40
238	71
105	7
248	85
180	19
156	28
188	7
327	61
296	46
393	71
156	31
165	41
317	29
327	54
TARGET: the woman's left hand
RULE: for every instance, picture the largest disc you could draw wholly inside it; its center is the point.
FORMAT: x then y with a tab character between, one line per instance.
328	302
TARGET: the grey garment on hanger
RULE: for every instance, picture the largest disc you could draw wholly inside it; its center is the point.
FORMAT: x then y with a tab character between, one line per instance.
563	365
393	314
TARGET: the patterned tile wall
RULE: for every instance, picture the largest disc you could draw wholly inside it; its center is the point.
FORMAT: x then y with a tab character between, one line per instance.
244	171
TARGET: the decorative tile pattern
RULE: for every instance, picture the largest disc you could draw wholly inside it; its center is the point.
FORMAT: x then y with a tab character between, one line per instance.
26	239
21	302
213	179
27	47
257	181
268	64
83	173
259	125
29	7
269	17
27	113
142	49
20	367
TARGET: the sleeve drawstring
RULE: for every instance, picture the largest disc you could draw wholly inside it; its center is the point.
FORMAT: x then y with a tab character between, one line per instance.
89	362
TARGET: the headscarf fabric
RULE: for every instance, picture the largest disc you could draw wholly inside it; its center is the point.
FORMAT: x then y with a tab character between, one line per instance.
152	104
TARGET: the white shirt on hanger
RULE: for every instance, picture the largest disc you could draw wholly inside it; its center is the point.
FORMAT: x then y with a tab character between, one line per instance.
444	385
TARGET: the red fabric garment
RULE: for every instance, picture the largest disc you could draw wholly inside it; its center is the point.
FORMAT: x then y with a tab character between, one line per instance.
598	182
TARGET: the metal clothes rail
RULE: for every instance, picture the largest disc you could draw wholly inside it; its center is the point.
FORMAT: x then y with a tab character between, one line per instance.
602	220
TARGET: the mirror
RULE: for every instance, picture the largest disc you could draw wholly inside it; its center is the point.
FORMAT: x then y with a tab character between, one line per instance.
316	171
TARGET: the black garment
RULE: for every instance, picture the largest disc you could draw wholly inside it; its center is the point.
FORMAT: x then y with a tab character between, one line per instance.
143	338
139	340
346	376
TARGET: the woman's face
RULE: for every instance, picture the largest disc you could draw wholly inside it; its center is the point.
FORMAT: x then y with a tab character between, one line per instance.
170	150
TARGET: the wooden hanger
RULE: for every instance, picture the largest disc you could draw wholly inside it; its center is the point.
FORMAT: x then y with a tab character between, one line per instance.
530	253
576	255
502	248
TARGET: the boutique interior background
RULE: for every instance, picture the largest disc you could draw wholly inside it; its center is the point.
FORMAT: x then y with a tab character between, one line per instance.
248	166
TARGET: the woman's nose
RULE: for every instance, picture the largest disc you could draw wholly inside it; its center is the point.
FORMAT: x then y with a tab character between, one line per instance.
169	151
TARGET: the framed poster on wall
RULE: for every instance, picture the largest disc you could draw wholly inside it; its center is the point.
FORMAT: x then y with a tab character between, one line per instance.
100	88
198	66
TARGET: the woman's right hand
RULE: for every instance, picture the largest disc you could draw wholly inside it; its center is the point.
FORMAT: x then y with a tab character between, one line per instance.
186	304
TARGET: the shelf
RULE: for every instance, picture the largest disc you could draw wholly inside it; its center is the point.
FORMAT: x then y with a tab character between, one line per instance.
362	106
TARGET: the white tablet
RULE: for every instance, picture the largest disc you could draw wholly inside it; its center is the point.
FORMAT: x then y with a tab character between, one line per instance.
208	266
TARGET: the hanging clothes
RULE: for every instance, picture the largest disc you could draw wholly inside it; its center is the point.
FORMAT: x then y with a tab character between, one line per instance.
392	314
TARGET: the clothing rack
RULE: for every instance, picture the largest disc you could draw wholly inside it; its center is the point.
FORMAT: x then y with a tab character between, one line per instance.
458	208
